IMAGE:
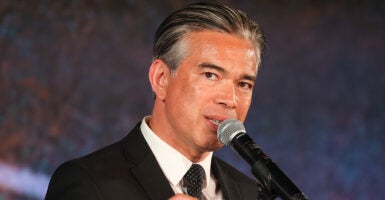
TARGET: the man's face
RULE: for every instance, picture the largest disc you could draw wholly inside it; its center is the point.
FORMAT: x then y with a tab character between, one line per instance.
213	82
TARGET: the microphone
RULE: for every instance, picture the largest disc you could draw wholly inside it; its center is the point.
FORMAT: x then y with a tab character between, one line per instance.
232	133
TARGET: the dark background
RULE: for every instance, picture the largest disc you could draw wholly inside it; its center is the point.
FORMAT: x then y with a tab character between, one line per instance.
73	78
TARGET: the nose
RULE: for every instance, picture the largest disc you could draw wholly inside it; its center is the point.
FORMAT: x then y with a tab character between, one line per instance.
226	95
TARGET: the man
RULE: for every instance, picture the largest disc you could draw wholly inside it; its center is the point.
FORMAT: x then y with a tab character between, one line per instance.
205	63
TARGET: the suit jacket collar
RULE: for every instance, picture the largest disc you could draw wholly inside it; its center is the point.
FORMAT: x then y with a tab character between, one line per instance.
229	188
145	167
146	170
234	184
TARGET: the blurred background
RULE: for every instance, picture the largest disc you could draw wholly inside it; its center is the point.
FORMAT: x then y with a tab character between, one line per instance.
73	78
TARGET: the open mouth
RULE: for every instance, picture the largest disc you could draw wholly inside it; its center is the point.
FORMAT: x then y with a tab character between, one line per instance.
215	121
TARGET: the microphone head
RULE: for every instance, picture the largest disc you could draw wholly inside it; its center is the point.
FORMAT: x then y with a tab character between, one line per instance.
228	129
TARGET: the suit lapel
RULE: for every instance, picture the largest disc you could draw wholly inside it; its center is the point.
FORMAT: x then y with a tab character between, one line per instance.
233	184
229	188
145	168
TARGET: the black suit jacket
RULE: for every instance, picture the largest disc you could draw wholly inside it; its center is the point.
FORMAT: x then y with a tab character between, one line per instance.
128	170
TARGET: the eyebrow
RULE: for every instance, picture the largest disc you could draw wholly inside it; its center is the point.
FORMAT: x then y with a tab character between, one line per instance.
220	69
211	66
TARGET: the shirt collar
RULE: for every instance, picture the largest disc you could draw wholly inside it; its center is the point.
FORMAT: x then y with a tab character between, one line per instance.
173	164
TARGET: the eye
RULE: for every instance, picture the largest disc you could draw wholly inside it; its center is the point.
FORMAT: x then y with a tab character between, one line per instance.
210	76
245	85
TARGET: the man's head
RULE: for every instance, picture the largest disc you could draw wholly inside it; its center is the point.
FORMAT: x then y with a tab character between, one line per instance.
206	58
168	42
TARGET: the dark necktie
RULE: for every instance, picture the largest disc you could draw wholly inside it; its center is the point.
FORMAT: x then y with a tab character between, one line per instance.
194	179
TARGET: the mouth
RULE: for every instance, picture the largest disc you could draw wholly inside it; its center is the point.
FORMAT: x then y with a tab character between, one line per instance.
215	121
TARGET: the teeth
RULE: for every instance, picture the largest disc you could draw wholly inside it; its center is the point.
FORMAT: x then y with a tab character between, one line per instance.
214	121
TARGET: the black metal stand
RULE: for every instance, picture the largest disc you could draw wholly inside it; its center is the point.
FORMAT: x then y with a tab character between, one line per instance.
274	185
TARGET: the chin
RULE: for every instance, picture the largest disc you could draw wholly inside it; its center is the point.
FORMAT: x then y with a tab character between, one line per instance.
214	147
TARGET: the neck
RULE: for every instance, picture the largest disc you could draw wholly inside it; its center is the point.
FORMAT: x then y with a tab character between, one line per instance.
158	125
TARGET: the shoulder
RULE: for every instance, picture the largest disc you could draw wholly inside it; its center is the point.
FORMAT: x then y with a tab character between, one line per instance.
95	174
109	159
80	178
111	156
72	181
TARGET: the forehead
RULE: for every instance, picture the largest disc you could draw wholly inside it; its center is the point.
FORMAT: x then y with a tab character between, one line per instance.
221	48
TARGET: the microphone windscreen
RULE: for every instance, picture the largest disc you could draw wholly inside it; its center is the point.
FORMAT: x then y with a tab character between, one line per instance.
228	129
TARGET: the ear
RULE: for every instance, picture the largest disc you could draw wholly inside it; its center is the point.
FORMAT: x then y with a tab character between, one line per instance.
159	75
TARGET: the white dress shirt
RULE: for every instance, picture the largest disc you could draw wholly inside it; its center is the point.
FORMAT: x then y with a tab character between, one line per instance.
175	165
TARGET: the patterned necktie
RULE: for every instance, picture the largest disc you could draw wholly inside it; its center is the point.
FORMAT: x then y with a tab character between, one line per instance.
194	179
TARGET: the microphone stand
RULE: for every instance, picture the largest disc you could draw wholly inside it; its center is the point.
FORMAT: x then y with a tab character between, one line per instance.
272	181
269	189
264	194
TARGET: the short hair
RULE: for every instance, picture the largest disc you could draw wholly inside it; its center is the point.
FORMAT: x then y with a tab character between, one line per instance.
198	17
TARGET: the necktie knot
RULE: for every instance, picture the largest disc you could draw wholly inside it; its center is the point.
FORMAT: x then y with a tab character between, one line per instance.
194	179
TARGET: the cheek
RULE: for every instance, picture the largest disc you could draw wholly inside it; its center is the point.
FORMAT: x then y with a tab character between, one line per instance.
185	93
243	107
194	95
192	89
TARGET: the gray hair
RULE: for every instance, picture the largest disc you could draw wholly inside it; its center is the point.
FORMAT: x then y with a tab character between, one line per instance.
168	42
